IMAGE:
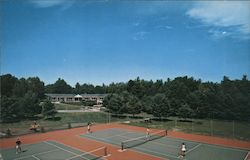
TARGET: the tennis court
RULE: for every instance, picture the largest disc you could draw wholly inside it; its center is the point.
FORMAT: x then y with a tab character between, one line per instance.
165	147
51	150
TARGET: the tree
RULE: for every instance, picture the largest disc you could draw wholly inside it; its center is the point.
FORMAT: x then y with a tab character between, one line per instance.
36	86
20	88
7	84
9	110
77	88
29	105
134	87
178	90
147	104
134	106
48	109
113	102
60	86
229	99
87	88
49	88
99	89
160	106
185	111
130	85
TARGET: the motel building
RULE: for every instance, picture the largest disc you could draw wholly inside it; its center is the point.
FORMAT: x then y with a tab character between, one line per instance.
71	98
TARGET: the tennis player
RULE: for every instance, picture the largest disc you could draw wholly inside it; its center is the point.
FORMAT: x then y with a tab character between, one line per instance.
18	146
147	133
183	149
89	130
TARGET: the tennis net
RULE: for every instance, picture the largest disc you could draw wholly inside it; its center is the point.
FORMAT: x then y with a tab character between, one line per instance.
96	154
143	139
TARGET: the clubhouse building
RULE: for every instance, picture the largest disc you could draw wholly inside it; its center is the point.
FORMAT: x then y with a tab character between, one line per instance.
71	98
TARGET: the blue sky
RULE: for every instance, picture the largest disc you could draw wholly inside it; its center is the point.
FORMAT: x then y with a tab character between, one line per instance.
113	41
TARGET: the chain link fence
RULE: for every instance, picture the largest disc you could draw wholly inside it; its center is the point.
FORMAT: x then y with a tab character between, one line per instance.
221	128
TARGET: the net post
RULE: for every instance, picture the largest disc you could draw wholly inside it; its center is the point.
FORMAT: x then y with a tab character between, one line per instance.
105	151
122	144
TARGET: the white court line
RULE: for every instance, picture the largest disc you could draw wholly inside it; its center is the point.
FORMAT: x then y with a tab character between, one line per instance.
168	155
35	157
86	153
100	139
193	148
36	154
70	151
136	150
119	134
140	148
63	149
170	138
225	147
211	145
128	138
247	155
69	146
163	144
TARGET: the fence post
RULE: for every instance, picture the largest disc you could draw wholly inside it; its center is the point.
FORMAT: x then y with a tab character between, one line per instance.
175	122
108	117
233	128
211	127
192	125
107	120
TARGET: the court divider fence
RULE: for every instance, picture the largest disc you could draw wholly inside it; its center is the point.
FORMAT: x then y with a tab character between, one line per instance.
222	128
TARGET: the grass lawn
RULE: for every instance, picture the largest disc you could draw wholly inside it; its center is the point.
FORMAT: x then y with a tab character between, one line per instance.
63	106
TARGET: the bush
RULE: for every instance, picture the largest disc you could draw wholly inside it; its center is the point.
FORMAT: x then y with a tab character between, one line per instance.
119	116
53	118
199	122
8	132
161	119
69	125
42	129
88	103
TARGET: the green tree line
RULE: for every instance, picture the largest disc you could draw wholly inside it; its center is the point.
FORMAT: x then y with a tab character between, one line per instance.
184	97
23	99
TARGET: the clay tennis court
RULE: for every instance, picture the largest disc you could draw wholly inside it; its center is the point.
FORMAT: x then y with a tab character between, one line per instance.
122	142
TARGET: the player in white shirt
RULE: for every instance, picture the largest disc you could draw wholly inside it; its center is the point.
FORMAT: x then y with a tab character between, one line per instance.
89	130
183	149
148	133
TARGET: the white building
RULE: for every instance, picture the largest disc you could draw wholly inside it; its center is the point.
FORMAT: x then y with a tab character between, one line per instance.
98	98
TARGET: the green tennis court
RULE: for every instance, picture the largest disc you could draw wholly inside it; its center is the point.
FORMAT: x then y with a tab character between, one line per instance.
51	150
167	147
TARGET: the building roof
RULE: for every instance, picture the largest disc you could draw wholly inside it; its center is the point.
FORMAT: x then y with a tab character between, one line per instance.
78	96
74	95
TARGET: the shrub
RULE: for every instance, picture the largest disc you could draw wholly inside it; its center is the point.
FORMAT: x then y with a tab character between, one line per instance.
42	129
8	132
69	125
